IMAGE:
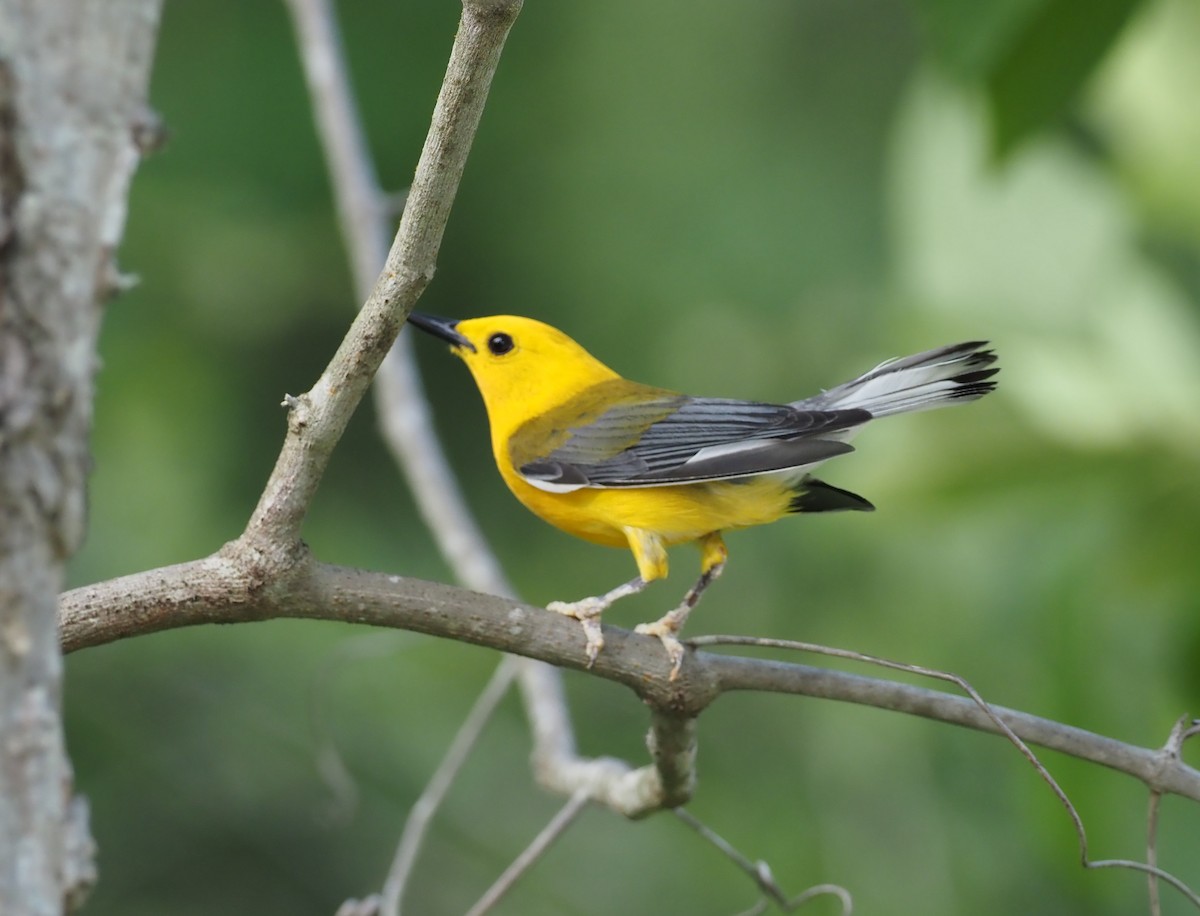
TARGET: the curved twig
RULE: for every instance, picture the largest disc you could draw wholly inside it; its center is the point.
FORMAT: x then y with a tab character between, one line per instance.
1149	867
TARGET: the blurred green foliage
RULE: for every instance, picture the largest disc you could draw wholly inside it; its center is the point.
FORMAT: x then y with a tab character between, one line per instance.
1031	57
749	200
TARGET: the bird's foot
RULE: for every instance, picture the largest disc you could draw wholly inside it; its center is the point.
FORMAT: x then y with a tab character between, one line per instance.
587	611
666	629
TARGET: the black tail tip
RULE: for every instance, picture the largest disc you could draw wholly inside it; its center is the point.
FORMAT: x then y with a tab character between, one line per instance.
814	495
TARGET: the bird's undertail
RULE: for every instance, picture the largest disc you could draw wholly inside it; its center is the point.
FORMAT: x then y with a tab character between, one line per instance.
947	375
812	495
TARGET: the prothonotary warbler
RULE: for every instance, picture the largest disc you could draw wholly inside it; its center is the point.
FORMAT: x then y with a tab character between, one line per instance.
629	465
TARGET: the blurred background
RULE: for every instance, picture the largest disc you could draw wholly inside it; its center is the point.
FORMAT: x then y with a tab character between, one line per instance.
752	200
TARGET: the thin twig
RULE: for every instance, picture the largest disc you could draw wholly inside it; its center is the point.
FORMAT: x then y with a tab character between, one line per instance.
760	872
439	784
736	673
362	216
996	719
1190	895
1152	851
1172	750
550	833
922	671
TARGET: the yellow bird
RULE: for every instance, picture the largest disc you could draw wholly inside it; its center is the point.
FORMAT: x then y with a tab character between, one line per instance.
628	465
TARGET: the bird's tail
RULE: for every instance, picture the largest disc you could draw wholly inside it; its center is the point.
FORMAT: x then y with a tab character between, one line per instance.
947	375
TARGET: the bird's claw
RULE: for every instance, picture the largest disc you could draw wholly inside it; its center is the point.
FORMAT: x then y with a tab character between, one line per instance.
670	642
583	609
594	637
587	611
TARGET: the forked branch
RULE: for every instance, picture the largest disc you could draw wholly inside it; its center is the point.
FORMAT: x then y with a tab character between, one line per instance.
408	432
316	420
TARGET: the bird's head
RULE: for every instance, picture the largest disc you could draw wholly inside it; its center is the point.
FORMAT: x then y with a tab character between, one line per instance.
520	365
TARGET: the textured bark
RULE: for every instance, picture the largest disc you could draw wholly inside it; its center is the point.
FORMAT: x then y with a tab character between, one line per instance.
73	76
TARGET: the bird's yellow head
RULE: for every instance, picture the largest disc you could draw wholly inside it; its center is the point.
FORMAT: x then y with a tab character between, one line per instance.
521	366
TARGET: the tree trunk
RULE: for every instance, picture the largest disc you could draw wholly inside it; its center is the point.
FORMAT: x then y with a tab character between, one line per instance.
73	77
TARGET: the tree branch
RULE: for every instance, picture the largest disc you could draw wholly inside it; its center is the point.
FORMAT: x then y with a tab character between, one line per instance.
534	851
408	432
317	419
430	799
219	590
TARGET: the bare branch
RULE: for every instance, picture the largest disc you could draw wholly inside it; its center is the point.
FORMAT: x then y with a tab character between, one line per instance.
317	419
220	590
431	799
1152	852
1151	871
779	677
408	431
672	743
1002	728
543	841
362	215
1183	729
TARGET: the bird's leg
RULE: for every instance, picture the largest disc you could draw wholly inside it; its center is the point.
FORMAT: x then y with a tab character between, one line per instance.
666	628
588	610
651	557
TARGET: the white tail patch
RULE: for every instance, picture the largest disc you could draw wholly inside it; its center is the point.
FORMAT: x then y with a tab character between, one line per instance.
959	372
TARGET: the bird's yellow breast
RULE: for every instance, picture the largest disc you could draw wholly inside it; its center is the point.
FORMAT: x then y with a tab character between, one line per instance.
677	514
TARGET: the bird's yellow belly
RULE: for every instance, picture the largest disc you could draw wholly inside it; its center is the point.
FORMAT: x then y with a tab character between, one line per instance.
677	514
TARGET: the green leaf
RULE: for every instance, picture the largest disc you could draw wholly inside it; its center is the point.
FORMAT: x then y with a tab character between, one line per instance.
1047	63
968	37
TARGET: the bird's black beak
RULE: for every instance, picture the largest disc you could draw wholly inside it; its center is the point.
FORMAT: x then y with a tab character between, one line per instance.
441	327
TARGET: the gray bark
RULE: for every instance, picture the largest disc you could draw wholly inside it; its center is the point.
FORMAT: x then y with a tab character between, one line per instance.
73	77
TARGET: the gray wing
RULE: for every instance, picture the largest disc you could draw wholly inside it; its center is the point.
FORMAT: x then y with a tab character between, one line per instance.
677	439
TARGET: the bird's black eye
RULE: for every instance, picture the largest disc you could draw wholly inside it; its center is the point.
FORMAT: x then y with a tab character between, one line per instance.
499	344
